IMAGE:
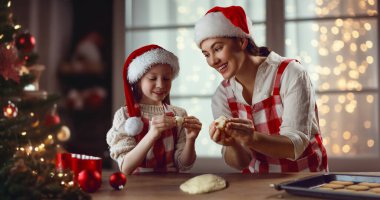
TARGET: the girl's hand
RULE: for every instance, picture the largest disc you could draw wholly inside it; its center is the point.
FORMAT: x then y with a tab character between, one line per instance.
161	123
242	130
219	136
193	126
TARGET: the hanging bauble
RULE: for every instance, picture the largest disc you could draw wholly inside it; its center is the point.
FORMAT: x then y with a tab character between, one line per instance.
89	180
25	42
94	97
9	63
10	110
64	134
52	119
118	180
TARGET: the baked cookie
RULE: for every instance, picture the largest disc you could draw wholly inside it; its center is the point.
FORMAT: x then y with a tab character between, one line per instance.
345	183
370	184
375	190
357	187
332	186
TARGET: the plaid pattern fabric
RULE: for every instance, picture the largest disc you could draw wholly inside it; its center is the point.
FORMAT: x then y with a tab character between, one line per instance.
267	118
160	158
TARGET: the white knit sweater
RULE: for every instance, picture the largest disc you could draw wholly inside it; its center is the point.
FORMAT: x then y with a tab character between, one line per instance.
120	144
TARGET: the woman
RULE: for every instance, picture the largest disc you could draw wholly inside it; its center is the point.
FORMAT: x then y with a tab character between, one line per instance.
269	101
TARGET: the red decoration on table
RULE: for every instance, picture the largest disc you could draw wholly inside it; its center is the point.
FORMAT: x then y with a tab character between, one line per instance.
78	163
118	180
25	42
89	180
63	161
10	110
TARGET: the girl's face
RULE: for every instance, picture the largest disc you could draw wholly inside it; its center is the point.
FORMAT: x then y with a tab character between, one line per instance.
223	54
155	84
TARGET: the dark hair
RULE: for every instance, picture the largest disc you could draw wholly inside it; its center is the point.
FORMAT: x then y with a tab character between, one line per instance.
253	49
137	94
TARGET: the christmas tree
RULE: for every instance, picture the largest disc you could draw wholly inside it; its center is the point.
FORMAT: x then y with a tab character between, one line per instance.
30	128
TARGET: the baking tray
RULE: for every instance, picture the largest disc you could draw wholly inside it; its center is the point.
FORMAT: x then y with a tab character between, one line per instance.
306	186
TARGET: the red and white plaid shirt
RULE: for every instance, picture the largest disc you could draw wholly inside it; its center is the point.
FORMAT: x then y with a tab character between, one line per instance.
267	118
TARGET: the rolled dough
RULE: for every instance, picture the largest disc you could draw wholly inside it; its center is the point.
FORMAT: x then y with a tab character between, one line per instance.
203	184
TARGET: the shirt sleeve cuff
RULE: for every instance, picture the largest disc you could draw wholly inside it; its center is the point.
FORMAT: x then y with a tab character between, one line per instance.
299	144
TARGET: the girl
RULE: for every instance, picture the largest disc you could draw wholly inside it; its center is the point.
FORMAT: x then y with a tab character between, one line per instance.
272	123
145	137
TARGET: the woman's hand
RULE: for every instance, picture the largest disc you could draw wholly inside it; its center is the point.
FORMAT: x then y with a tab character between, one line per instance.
193	127
159	124
220	136
242	130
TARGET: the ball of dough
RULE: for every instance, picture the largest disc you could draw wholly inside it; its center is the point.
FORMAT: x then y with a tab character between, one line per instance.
220	122
179	120
203	184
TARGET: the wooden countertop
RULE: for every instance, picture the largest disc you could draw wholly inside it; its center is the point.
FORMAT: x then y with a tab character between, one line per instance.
166	186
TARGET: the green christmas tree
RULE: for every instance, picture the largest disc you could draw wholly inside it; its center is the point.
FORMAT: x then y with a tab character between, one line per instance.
30	129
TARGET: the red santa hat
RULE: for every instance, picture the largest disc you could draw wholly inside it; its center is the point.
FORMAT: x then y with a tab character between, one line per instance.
223	22
136	65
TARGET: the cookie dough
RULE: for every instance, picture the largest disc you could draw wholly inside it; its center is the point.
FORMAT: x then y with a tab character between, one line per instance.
179	120
203	184
220	122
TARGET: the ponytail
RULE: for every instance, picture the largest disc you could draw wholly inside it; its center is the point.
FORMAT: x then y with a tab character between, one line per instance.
253	49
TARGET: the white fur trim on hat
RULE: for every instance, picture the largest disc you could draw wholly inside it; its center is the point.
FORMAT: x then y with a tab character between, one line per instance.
141	64
133	126
215	24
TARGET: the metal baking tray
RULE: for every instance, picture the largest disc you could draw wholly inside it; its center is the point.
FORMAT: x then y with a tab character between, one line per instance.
306	186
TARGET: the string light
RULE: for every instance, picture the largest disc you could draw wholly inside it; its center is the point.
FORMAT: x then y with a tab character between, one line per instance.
343	41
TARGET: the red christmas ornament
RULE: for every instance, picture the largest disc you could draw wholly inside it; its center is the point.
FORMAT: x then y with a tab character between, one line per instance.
9	63
51	120
25	42
118	180
89	180
94	97
10	110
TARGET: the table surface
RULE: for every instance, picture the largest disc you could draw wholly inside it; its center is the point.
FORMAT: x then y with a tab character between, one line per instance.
166	186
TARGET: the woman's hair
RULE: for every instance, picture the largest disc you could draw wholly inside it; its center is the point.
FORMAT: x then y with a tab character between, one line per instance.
253	49
137	93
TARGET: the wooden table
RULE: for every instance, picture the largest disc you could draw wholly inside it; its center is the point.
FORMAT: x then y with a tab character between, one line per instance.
166	186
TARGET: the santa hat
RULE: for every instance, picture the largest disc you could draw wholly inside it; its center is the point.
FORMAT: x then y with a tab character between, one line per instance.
223	22
136	65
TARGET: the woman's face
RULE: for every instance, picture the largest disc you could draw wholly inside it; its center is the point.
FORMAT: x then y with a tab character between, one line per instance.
155	84
223	54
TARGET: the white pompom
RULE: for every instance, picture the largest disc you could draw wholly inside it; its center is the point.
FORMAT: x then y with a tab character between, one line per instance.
133	126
